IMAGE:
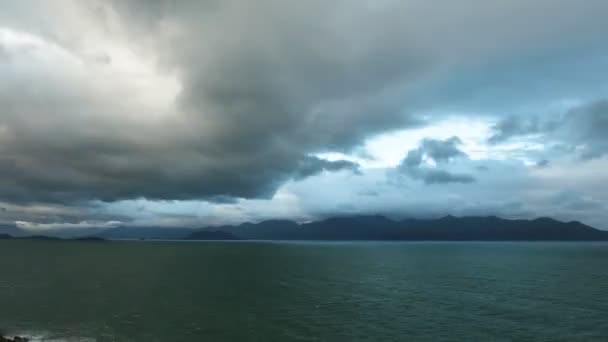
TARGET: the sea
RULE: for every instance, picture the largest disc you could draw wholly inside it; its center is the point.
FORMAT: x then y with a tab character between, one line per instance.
304	291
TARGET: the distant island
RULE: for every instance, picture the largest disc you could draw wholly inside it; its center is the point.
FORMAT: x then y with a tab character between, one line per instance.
365	228
211	235
47	238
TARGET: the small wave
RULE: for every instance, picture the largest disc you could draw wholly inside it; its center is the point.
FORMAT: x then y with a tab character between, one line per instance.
49	337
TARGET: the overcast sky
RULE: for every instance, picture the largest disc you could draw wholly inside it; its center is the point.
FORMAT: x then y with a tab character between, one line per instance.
196	112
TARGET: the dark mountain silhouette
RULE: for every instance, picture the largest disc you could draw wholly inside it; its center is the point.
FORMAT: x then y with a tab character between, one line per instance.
267	230
30	237
211	235
354	228
63	233
12	230
448	228
46	238
89	239
39	237
151	233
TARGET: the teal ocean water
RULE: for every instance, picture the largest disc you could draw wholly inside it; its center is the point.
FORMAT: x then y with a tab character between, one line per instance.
256	291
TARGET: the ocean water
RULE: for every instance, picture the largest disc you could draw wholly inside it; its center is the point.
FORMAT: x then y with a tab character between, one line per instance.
261	291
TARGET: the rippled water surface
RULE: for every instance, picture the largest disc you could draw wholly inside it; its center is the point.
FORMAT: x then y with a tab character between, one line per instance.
255	291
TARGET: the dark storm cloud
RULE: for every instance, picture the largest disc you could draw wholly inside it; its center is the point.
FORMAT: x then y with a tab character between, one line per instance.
257	98
440	152
262	86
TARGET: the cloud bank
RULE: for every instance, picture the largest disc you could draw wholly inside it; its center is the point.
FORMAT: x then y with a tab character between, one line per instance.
106	103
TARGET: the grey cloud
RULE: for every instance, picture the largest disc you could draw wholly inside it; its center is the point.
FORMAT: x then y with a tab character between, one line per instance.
582	131
542	163
589	125
58	214
99	59
514	126
433	176
442	150
574	201
312	165
263	86
3	53
507	209
253	107
369	193
412	159
439	151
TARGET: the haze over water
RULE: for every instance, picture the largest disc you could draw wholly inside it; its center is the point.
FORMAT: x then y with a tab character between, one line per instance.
257	291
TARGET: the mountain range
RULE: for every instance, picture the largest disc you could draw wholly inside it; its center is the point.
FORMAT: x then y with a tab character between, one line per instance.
360	228
448	228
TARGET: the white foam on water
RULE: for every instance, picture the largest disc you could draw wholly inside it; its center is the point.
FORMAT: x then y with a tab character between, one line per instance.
49	337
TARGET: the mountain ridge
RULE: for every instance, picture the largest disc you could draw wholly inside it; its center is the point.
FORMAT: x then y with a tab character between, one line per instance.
361	227
447	228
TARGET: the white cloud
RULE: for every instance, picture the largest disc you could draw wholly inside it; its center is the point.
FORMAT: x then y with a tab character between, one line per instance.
40	227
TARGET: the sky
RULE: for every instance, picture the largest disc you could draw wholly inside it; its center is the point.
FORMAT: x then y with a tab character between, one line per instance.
204	112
